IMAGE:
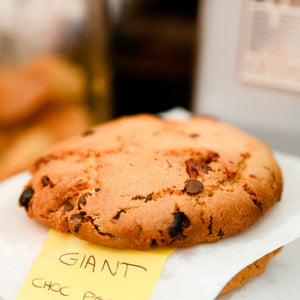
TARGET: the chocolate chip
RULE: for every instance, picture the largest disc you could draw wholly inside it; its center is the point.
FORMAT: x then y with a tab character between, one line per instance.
220	233
77	220
210	225
26	197
193	167
212	156
97	189
87	132
82	200
194	135
77	217
181	221
193	186
68	207
153	243
46	181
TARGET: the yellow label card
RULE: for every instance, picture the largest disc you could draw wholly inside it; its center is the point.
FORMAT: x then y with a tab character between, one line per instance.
70	268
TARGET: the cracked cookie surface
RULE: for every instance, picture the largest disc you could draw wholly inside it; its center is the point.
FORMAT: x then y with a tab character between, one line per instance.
140	182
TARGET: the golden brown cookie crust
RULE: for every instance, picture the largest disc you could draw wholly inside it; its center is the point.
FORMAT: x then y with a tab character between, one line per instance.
140	181
251	271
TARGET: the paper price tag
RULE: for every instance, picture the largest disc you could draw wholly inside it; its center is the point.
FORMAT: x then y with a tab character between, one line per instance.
70	268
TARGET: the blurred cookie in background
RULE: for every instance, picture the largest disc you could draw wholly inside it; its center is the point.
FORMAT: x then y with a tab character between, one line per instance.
46	79
40	104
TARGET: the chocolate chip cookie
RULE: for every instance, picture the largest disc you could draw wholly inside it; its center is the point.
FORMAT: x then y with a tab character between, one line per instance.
140	182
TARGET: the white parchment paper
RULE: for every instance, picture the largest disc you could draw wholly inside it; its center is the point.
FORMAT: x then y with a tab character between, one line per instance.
198	272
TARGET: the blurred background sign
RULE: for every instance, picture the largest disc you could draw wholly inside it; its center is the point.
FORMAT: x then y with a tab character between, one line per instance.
248	71
270	54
